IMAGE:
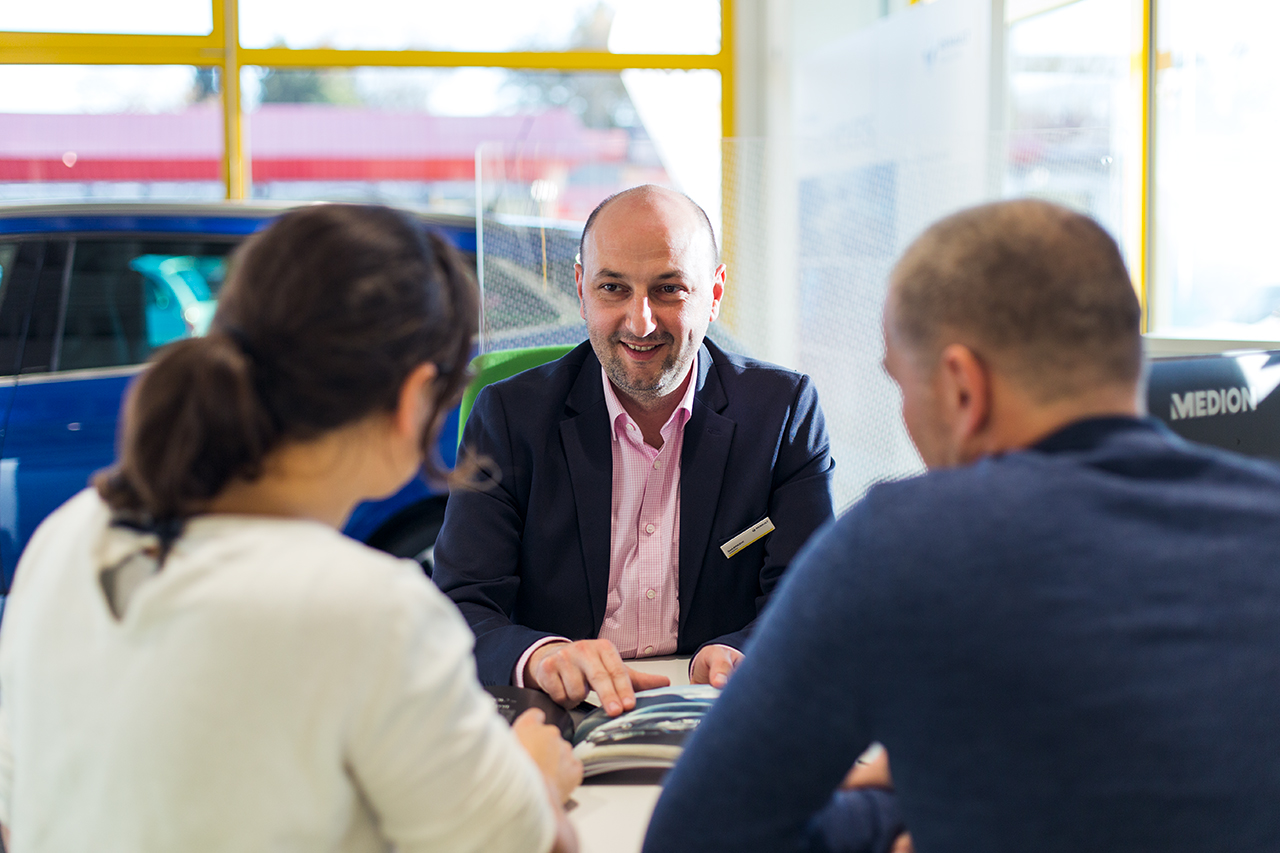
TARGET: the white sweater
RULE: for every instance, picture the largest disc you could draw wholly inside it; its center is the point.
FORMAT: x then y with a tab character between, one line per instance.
276	687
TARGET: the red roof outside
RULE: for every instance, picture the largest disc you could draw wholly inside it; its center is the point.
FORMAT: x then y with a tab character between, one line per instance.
289	142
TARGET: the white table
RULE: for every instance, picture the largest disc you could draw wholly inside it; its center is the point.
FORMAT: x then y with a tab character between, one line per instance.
611	814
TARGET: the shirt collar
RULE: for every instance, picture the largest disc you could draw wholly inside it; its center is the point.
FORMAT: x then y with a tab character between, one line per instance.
1093	432
619	418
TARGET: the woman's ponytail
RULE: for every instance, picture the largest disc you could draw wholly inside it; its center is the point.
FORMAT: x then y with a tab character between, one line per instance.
192	422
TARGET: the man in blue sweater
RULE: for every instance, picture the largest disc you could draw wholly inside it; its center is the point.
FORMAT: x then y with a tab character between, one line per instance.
1066	634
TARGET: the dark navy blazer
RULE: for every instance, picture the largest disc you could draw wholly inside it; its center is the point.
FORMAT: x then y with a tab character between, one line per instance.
528	557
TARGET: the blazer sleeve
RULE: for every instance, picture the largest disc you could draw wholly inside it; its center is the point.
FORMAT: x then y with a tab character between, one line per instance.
800	498
477	554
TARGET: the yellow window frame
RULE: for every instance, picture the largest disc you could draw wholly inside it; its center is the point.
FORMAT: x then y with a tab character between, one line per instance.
221	49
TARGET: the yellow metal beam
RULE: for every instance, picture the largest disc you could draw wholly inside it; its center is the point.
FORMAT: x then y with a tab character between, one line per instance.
97	49
235	165
584	60
1146	249
219	21
83	49
727	117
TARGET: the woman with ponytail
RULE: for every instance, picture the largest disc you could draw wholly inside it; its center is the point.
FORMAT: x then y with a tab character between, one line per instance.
194	658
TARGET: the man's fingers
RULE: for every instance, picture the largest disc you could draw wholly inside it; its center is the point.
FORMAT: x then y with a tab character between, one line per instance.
554	677
549	682
539	671
722	666
714	664
620	675
573	685
608	677
647	680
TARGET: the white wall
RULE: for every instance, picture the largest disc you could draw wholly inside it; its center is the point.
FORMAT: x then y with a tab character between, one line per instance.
862	121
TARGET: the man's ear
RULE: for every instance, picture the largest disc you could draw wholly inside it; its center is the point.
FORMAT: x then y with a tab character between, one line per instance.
966	388
577	279
717	291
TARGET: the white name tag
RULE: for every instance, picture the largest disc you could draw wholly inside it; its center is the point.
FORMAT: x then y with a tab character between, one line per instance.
746	537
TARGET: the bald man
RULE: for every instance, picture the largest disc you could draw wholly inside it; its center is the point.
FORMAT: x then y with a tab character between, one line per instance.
652	488
1065	634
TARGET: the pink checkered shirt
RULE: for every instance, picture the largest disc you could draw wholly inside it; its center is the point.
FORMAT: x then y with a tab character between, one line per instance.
642	612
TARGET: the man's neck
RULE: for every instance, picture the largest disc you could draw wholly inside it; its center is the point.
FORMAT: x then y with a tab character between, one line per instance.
652	413
1024	423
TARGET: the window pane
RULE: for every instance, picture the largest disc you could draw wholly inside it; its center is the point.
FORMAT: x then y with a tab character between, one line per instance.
19	288
42	318
411	135
8	251
129	297
1074	110
117	132
621	26
1217	119
161	17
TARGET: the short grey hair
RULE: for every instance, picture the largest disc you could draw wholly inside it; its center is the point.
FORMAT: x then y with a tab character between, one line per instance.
1034	286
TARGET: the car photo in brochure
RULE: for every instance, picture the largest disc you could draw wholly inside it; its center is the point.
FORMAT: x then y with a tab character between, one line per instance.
650	735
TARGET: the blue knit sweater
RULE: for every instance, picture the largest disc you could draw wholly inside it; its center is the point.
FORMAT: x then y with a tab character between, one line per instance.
1070	648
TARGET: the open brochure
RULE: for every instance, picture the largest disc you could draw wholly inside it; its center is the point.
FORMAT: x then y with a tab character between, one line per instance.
652	734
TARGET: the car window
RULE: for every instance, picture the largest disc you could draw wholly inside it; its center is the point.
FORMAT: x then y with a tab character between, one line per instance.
128	297
23	261
38	344
7	253
9	330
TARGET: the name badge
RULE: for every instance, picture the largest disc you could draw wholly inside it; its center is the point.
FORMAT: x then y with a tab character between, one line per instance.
746	537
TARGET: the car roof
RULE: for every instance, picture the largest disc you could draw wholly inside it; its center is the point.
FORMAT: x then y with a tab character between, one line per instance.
223	217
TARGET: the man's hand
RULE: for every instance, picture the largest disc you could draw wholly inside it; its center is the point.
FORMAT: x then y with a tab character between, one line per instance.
714	664
550	751
871	770
567	672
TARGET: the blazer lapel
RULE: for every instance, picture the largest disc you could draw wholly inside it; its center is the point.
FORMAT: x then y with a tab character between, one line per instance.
584	434
707	438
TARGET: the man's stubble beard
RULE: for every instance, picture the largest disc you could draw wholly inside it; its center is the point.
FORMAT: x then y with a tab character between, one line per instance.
669	376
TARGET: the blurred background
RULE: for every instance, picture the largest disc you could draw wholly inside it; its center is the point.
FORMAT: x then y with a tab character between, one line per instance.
820	135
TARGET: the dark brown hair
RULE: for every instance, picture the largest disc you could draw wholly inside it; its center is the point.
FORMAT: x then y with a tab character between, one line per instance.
1041	290
323	316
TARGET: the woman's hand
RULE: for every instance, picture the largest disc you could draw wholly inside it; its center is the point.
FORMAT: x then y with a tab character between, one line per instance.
551	752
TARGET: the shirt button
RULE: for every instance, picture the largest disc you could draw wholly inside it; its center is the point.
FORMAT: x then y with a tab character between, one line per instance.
657	465
648	650
631	427
649	528
650	594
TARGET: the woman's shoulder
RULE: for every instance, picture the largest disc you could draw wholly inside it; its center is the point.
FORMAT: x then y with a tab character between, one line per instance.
297	561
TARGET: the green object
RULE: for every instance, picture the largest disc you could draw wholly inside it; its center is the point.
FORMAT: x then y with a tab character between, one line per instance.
493	366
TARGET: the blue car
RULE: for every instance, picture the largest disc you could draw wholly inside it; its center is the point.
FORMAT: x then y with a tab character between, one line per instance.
87	293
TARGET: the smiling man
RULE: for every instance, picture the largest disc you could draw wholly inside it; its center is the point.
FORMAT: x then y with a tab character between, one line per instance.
650	488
